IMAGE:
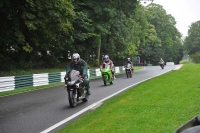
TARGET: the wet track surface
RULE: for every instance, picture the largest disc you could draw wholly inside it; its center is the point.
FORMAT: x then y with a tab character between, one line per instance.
35	111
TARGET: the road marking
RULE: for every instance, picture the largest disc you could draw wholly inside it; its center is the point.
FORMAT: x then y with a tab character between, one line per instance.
94	105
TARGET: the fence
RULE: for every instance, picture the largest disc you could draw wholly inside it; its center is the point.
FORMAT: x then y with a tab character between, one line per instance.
17	82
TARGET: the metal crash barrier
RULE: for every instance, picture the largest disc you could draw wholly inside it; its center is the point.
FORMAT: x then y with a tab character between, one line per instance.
192	126
17	82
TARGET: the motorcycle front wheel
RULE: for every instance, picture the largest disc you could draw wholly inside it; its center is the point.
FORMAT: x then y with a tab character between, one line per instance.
104	80
162	66
72	98
127	73
130	74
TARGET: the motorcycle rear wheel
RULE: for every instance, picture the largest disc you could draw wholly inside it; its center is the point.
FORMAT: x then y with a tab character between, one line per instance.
111	82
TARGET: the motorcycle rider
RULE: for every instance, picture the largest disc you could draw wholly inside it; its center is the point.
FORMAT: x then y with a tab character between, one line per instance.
129	62
110	62
80	65
161	62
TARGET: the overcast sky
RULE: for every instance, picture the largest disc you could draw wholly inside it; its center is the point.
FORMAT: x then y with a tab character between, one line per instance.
184	11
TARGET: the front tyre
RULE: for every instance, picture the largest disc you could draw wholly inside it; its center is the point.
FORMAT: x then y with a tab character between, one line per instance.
130	74
72	98
127	73
104	80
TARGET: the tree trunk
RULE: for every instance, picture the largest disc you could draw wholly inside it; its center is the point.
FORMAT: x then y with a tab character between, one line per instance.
98	50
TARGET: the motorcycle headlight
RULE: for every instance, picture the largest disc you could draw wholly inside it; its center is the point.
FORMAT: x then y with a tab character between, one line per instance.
71	83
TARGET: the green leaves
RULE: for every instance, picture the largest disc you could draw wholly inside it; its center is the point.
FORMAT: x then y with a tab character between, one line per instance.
165	37
192	41
122	27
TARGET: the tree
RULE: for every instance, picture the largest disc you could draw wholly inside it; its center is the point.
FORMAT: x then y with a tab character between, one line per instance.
32	26
167	32
192	41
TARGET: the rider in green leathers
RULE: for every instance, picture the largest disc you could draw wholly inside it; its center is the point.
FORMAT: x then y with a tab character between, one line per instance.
80	65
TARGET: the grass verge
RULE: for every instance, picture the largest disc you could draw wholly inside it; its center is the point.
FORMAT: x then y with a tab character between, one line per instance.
159	105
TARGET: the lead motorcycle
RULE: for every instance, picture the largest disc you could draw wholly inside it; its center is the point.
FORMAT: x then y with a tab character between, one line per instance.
128	70
106	74
76	89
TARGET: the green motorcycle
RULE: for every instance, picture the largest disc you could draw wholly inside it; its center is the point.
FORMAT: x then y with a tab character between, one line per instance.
106	74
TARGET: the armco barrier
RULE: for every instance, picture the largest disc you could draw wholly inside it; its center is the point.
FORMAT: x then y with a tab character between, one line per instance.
169	63
7	83
17	82
23	81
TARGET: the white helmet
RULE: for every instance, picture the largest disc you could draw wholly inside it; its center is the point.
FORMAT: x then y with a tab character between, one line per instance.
128	58
106	58
76	56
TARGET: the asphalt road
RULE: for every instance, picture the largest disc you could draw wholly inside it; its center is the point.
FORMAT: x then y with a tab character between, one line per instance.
37	111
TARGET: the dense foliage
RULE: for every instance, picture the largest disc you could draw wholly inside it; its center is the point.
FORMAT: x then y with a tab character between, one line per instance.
192	42
43	34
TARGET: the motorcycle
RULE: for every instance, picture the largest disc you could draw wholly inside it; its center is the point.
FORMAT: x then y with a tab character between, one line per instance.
128	70
162	65
76	89
106	74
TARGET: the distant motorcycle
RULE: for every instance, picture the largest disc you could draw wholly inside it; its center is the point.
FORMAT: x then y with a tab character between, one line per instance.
106	74
162	65
76	89
128	70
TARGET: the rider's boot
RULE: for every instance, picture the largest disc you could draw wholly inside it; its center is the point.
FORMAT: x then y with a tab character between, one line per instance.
88	90
113	75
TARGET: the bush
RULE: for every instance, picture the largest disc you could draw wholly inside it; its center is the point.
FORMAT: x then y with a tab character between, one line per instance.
186	61
196	57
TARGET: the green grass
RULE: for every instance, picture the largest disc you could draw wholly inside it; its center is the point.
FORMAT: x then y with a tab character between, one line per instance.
21	90
27	72
159	105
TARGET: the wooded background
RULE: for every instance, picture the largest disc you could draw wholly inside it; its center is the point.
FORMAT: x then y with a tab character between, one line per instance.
38	34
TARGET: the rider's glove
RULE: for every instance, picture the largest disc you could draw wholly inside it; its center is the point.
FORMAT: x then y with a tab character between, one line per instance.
84	75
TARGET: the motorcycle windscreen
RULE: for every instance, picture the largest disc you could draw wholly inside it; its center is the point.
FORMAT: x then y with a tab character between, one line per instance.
74	76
